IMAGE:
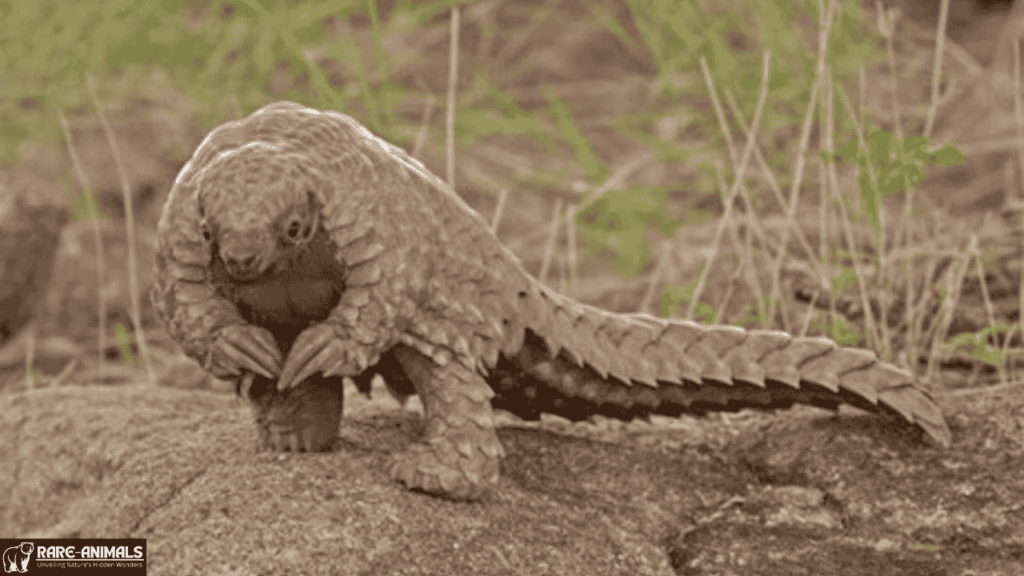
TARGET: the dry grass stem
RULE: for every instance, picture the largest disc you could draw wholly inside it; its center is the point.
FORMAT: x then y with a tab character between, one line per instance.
723	125
499	209
655	280
129	225
940	43
453	80
421	134
921	311
801	160
65	372
743	245
740	170
549	248
954	279
30	354
844	219
1018	110
773	185
809	315
94	227
887	19
989	309
617	178
570	237
984	389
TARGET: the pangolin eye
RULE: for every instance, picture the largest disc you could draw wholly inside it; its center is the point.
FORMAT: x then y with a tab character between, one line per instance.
207	236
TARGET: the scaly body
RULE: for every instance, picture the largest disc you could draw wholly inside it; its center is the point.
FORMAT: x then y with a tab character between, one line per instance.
297	249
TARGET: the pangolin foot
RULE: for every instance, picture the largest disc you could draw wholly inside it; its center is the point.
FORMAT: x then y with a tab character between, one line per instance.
437	467
301	419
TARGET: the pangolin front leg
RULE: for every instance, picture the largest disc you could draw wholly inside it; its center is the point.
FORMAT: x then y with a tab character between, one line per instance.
460	454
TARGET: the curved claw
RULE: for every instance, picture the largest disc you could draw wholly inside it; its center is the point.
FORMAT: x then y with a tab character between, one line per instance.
311	353
245	347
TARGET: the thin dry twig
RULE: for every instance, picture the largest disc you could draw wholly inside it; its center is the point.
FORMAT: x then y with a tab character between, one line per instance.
989	309
499	209
616	179
613	182
981	390
921	311
887	19
870	324
773	185
570	236
940	43
954	281
806	325
743	247
1018	109
549	248
421	134
844	218
655	280
129	224
65	372
90	200
30	354
453	79
740	171
801	160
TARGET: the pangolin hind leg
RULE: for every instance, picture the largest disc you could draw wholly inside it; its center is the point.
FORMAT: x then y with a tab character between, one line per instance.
459	456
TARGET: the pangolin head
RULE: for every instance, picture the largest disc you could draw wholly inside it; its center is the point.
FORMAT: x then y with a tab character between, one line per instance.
258	206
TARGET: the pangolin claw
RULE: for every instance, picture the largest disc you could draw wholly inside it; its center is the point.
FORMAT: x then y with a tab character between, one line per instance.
316	348
245	347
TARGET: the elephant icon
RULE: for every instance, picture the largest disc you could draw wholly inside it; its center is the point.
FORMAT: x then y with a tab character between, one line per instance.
16	557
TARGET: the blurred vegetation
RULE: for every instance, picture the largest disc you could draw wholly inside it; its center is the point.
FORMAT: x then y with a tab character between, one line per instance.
356	56
601	107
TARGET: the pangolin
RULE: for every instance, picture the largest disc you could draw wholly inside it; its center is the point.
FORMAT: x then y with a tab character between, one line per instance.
296	248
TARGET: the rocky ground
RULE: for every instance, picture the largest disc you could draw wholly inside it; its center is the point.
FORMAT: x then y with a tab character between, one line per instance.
800	492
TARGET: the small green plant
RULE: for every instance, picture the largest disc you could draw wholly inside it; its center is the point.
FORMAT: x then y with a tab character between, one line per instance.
124	342
838	330
979	343
620	220
755	313
84	208
674	295
890	165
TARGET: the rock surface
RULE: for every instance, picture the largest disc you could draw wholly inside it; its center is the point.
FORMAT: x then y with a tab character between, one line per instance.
794	493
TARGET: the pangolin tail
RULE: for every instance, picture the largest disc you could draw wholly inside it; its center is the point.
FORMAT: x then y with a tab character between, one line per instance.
576	360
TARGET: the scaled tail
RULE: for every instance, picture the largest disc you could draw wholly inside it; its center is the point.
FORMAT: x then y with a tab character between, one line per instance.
576	360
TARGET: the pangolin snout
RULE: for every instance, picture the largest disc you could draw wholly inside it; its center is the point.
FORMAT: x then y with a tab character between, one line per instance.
243	257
